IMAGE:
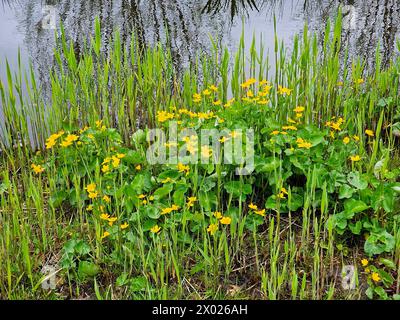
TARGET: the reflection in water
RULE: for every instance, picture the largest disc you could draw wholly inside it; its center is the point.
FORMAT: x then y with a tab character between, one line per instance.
185	25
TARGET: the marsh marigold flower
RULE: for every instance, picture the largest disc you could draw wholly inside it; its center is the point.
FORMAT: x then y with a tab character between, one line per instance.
369	133
260	212
299	109
124	226
346	140
364	262
217	214
212	228
375	276
225	220
355	158
37	168
253	206
155	229
105	234
91	187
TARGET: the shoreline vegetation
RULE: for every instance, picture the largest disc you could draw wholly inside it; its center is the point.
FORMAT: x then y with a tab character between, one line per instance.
82	209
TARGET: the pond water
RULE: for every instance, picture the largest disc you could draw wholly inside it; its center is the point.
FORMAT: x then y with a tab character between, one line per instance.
189	23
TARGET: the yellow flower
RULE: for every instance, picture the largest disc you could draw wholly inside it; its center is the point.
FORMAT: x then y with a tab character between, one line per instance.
104	216
71	138
217	103
167	180
37	168
91	187
253	206
93	195
264	101
364	262
234	134
107	199
223	139
141	196
218	214
356	138
284	91
112	220
155	229
260	212
105	234
355	158
299	109
115	161
293	128
375	276
206	152
369	133
212	228
191	201
89	207
50	143
250	94
105	168
138	167
360	81
65	144
166	211
124	226
120	155
163	116
206	92
303	144
213	88
274	133
346	140
183	168
225	220
175	207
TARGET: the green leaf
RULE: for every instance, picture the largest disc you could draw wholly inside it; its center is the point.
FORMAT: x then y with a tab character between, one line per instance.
87	269
152	212
355	206
138	284
162	192
57	198
345	191
296	202
237	188
378	243
388	263
356	228
266	165
355	179
82	248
